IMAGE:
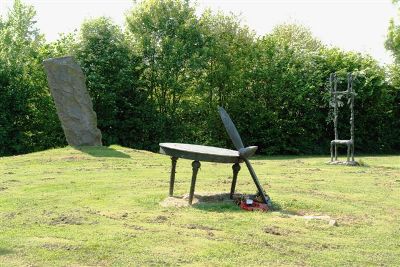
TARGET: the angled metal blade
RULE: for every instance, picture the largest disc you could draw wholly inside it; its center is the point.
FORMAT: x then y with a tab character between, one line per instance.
265	198
231	129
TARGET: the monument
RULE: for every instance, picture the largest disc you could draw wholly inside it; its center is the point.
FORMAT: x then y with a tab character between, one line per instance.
199	153
73	104
335	98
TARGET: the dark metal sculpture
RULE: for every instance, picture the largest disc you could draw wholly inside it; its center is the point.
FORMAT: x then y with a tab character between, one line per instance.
199	153
335	95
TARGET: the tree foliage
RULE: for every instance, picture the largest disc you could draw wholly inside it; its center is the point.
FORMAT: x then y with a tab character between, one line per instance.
169	41
164	76
27	111
393	45
112	70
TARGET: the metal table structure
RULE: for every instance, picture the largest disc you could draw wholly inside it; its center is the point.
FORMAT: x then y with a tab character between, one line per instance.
199	153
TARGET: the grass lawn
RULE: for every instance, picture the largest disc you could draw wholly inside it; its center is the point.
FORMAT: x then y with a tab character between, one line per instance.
100	207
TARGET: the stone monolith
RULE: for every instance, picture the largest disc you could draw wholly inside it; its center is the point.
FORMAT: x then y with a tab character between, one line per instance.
74	106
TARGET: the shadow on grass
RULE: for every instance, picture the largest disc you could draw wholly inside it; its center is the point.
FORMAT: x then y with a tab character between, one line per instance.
5	251
102	151
222	203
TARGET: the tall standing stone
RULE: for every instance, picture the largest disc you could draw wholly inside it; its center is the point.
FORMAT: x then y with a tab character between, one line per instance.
74	106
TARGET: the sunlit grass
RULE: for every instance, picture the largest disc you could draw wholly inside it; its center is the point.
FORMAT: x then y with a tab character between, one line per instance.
100	206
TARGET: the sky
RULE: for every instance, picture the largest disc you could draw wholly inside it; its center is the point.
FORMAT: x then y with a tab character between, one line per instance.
353	25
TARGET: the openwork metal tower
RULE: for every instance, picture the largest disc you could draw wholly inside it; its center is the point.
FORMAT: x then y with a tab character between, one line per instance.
335	97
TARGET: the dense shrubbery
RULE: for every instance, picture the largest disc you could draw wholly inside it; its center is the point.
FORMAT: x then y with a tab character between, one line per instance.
164	76
28	120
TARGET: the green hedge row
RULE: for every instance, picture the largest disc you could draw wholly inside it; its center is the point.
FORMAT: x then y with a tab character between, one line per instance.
162	78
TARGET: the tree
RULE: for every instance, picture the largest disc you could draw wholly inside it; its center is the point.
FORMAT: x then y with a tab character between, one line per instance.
284	92
112	70
227	54
25	103
392	42
169	42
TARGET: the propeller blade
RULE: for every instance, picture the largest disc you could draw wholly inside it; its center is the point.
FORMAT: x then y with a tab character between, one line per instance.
265	198
231	129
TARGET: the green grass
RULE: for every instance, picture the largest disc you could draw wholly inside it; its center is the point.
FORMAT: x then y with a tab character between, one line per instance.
100	207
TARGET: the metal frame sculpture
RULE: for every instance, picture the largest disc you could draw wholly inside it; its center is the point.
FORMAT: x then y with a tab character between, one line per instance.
199	153
335	95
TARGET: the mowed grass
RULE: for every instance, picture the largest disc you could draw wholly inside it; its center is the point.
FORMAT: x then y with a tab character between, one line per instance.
100	207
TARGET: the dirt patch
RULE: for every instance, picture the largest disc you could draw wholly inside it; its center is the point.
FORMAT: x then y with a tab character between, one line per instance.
55	246
273	230
210	234
201	227
159	219
302	215
12	181
314	169
345	163
10	215
109	215
72	158
48	178
67	219
354	220
183	201
320	194
47	212
134	227
3	188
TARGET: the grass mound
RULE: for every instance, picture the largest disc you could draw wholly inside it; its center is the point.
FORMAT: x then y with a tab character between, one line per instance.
100	206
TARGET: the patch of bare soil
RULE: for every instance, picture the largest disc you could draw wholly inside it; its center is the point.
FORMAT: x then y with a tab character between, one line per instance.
67	219
72	158
313	169
12	181
55	246
183	201
201	227
159	219
207	229
346	163
273	230
10	215
134	227
48	178
301	215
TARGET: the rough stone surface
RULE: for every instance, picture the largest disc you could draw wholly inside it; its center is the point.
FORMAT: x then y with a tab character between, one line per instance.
74	106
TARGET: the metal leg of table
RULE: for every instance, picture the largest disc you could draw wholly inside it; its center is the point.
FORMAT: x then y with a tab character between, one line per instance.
236	169
336	154
172	179
195	167
255	179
